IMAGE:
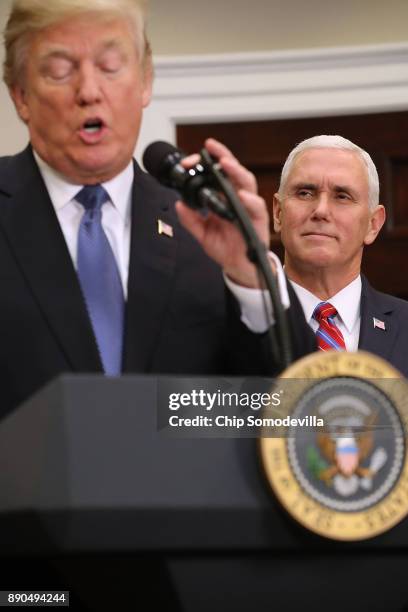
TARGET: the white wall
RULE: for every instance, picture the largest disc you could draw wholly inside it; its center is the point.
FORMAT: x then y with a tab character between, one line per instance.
13	134
185	27
223	26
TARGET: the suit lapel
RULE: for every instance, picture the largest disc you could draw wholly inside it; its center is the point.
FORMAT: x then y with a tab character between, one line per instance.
375	305
151	268
36	239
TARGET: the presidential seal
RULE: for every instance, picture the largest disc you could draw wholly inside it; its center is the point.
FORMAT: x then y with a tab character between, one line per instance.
346	479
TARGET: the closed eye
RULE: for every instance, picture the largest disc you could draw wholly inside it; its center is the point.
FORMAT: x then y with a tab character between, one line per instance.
111	61
57	68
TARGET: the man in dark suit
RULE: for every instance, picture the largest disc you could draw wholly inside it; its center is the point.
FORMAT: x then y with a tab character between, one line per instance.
97	273
326	211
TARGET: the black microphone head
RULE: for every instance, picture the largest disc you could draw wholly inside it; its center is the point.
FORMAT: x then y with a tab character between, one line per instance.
159	157
162	160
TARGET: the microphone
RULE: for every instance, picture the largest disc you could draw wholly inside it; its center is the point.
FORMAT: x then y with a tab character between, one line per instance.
195	185
200	188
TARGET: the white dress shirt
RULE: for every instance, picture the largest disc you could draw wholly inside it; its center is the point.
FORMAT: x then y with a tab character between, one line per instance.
256	308
346	302
116	222
116	213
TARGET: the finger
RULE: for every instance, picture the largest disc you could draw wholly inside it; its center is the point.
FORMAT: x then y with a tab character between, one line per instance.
254	204
237	173
258	213
218	149
214	147
240	176
191	220
190	160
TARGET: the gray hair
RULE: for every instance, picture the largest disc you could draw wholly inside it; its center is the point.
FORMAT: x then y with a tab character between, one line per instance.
30	16
335	142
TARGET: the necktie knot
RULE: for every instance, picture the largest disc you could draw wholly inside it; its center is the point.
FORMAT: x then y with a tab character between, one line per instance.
329	336
324	310
100	279
92	197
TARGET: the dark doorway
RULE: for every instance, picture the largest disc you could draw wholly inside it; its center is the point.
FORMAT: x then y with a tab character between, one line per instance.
264	145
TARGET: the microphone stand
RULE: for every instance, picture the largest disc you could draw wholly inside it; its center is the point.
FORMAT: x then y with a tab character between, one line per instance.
257	254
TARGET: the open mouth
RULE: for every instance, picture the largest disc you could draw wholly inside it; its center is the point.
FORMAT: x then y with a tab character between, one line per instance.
93	126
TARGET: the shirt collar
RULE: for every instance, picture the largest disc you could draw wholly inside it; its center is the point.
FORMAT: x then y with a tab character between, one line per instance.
63	192
346	302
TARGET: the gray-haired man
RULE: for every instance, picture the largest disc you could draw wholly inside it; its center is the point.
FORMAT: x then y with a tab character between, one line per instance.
326	211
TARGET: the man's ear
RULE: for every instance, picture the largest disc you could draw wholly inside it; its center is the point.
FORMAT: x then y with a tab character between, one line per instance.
148	77
277	213
18	96
376	222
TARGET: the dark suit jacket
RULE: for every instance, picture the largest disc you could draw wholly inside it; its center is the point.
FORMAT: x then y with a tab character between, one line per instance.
391	343
180	318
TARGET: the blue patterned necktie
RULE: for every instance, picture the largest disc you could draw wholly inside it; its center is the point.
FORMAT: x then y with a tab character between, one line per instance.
100	280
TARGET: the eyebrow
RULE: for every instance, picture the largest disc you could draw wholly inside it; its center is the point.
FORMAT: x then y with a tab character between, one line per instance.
346	188
304	185
114	43
66	53
314	187
62	53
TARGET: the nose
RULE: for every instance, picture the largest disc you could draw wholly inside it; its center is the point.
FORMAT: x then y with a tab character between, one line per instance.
88	89
322	206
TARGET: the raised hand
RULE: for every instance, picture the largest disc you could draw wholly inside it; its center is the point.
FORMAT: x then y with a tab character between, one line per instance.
221	239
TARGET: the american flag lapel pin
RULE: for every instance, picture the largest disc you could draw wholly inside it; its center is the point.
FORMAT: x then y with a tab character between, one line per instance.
378	324
164	228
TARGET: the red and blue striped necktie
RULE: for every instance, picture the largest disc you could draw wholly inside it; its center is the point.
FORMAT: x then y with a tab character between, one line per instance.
329	337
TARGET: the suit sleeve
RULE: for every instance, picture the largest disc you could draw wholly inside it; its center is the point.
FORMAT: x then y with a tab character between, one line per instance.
250	354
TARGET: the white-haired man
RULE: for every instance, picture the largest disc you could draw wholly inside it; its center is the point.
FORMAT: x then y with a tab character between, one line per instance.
90	280
326	211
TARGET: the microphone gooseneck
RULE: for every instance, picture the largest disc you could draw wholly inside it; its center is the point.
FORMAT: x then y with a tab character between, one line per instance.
201	187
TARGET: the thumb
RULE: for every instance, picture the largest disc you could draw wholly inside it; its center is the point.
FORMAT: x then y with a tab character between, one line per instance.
191	220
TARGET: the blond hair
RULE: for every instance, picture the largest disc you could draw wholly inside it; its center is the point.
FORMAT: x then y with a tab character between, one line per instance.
30	16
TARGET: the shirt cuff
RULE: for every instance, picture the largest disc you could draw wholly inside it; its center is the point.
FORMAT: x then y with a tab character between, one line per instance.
252	303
